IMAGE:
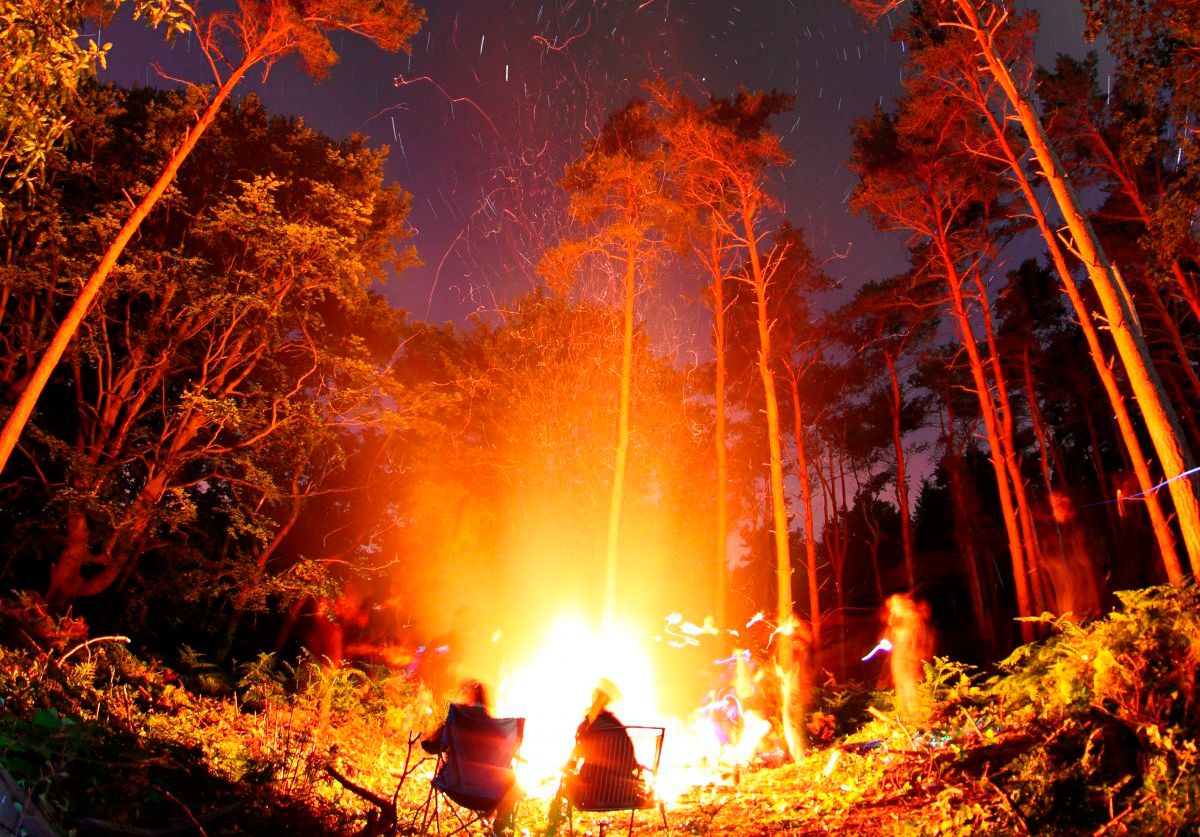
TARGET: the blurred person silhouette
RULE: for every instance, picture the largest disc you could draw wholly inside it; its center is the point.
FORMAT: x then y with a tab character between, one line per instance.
603	756
912	645
446	653
795	683
1073	584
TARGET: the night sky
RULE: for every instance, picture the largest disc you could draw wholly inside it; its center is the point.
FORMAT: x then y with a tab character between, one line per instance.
498	95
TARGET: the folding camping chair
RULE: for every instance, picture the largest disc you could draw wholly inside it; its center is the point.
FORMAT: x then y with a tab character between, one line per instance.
618	781
474	772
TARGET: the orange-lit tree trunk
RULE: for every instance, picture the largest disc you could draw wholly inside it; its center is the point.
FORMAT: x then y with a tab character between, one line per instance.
810	535
616	190
66	330
1008	440
721	569
1158	520
760	276
987	407
726	154
914	178
622	453
1130	187
1161	420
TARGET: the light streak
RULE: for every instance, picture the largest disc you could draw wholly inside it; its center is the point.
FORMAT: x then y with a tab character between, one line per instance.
884	645
1153	489
563	46
1164	483
401	81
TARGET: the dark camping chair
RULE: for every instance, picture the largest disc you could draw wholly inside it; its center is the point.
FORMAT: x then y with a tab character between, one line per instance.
475	770
619	774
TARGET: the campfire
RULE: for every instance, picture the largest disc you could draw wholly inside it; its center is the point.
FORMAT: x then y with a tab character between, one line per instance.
550	688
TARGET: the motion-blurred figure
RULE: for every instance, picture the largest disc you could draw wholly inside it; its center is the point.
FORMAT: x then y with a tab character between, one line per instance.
1073	586
912	645
795	681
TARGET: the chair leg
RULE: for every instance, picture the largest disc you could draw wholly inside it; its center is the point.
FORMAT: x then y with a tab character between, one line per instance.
631	813
662	809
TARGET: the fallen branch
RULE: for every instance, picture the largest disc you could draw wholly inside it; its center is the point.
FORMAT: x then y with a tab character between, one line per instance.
358	790
1104	829
82	645
1012	809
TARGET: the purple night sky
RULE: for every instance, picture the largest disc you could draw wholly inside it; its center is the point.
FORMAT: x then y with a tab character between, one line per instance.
498	95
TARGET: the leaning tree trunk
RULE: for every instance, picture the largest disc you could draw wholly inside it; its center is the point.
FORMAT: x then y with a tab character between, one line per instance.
988	407
70	324
1158	520
1161	420
1011	461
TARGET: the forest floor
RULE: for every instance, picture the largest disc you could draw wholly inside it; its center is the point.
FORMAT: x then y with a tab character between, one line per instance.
1092	732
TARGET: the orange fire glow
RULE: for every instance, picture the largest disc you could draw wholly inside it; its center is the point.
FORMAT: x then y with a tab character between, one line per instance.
552	689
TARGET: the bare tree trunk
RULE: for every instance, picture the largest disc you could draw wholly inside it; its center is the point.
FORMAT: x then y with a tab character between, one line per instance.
988	408
1158	520
618	484
70	324
810	536
1009	445
721	597
793	734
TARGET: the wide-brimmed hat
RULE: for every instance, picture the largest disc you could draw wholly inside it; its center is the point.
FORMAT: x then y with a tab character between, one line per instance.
608	688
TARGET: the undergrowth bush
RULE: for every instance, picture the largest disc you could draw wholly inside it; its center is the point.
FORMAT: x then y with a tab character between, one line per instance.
105	736
1097	724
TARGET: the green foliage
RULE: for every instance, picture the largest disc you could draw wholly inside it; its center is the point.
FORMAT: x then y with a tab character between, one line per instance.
134	744
1139	664
268	385
45	62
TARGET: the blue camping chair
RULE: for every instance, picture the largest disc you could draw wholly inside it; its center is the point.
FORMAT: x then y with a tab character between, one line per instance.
474	771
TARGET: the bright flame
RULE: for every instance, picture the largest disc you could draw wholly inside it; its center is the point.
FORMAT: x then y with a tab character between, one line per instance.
552	690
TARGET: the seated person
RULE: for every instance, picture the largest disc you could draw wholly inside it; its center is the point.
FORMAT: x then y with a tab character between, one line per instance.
480	776
603	769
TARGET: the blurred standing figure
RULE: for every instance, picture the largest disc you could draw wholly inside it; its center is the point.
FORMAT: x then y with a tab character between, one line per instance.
1073	581
796	684
912	645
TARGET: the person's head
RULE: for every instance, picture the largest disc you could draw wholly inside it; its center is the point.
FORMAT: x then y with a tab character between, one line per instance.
604	694
475	693
1061	507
